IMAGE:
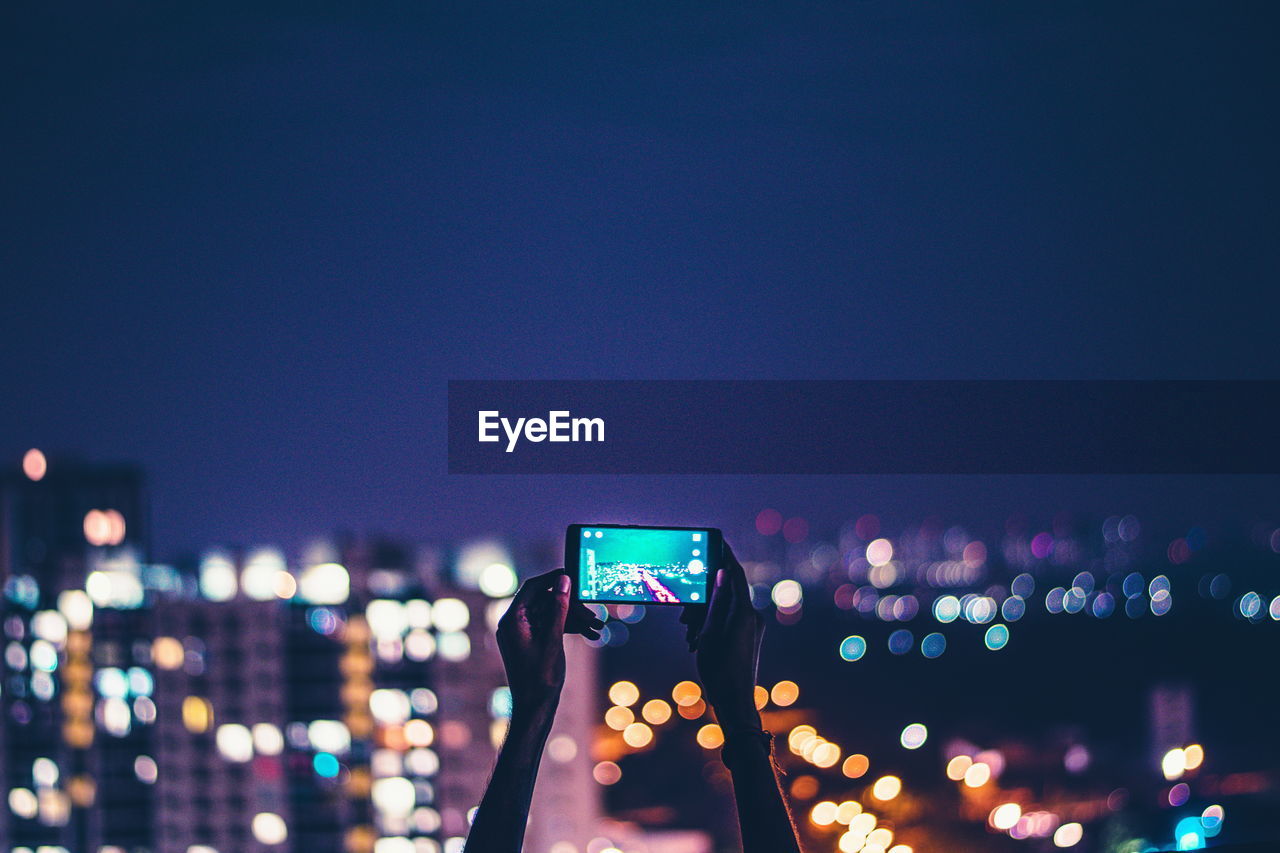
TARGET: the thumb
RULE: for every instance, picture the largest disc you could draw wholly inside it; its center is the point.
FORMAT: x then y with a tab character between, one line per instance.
563	585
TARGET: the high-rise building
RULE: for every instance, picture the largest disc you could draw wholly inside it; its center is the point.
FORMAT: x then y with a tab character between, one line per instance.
76	697
566	811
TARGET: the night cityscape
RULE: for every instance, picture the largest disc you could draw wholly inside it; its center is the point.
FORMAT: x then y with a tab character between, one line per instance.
260	259
1066	683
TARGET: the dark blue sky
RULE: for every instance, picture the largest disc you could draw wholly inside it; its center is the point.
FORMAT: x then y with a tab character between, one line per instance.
246	246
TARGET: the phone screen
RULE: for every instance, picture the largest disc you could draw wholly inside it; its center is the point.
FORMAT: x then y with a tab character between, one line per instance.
645	565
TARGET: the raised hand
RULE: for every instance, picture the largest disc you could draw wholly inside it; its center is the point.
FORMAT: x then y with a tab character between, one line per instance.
531	639
726	636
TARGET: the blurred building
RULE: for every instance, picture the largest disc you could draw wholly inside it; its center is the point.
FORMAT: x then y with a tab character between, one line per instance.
349	703
76	693
566	811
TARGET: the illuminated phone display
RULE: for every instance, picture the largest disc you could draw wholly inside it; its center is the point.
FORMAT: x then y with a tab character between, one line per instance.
642	565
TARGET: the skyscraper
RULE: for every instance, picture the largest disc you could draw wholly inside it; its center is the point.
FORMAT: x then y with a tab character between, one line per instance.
73	535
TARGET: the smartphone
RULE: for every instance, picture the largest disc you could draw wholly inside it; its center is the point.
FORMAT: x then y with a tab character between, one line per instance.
626	564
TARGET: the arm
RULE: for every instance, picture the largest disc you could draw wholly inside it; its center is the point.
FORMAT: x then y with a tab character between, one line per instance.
728	651
531	640
504	811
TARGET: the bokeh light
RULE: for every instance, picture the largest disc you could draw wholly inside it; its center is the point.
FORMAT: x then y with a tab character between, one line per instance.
784	693
686	693
1068	835
710	736
637	735
606	773
853	648
34	465
855	766
996	638
886	788
656	712
914	736
1005	817
624	693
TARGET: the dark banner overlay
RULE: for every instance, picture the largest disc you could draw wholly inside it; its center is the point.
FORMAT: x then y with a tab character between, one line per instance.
864	427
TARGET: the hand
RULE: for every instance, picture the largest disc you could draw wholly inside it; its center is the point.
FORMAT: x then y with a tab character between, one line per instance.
531	640
726	636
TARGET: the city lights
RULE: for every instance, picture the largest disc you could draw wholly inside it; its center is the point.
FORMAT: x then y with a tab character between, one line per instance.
847	810
624	693
784	693
450	615
823	813
657	712
853	648
267	739
977	775
235	742
855	766
197	714
886	788
282	680
933	645
269	828
561	748
686	693
606	773
1068	835
104	527
324	583
710	736
1005	817
218	577
787	594
34	465
637	735
914	736
497	580
879	552
1174	763
619	717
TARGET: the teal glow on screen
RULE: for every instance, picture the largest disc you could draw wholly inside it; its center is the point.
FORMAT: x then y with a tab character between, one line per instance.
643	566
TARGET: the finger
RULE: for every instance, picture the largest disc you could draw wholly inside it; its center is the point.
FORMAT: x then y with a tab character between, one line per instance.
574	627
584	612
563	586
718	610
737	574
737	579
693	618
534	585
581	619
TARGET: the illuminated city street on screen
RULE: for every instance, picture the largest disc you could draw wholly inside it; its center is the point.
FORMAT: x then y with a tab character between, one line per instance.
643	566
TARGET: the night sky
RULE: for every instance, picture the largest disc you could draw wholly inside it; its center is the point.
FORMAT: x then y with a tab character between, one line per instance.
246	246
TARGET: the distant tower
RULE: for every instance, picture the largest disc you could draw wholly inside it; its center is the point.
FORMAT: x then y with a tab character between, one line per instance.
566	809
76	700
1172	719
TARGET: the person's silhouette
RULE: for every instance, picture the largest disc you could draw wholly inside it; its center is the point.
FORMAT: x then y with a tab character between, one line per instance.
726	638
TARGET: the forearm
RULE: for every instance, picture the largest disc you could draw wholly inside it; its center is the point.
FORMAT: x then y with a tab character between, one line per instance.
500	821
763	816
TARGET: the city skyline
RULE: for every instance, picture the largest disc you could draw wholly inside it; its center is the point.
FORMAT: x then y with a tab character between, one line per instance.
259	255
934	602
